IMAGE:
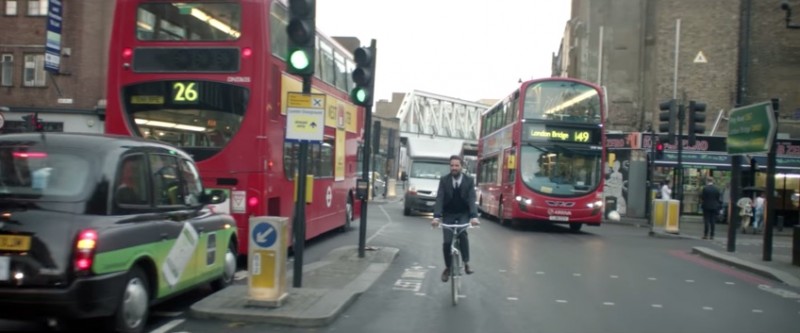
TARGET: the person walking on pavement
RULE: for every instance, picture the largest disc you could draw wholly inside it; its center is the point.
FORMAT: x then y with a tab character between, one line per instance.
758	217
745	212
455	201
711	198
666	192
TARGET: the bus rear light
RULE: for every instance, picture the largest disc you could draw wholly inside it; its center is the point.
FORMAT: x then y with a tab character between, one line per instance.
85	247
127	53
247	52
252	202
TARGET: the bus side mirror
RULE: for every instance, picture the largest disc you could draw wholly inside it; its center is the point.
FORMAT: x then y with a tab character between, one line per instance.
403	176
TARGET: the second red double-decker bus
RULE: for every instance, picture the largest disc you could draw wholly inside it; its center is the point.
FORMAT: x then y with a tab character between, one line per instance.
210	77
541	153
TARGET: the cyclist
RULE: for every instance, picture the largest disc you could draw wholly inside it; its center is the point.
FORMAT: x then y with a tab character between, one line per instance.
455	201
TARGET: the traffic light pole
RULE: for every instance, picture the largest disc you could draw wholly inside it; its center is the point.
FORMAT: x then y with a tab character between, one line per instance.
299	223
365	157
679	183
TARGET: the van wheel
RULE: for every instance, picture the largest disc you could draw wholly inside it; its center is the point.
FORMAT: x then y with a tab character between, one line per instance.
406	211
133	307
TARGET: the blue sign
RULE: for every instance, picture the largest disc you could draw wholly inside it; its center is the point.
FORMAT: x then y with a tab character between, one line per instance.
52	50
264	234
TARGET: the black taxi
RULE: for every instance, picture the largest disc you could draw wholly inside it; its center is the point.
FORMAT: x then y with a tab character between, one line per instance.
98	226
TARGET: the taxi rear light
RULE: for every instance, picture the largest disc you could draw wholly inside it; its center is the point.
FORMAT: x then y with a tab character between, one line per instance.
30	154
85	247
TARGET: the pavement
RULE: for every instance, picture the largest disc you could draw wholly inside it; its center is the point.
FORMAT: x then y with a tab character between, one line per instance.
748	248
332	284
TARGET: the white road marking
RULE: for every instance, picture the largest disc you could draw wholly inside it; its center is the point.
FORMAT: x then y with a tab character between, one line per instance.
778	291
171	314
657	306
383	227
730	283
689	281
561	301
608	303
512	298
240	275
419	294
539	273
758	311
708	308
431	267
615	276
503	271
576	274
462	296
651	278
168	326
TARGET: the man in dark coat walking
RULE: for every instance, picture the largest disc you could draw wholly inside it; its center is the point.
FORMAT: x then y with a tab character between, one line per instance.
712	202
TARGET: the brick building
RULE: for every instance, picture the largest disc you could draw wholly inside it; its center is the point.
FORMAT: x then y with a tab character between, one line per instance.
629	46
72	100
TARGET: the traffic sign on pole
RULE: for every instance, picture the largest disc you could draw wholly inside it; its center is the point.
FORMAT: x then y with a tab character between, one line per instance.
751	129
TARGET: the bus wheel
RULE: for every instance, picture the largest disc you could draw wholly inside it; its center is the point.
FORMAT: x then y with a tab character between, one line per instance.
500	218
575	227
348	215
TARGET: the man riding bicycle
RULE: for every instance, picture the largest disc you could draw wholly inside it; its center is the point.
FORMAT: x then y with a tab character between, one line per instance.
455	201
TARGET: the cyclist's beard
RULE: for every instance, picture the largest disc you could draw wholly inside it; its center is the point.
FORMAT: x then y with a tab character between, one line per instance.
455	174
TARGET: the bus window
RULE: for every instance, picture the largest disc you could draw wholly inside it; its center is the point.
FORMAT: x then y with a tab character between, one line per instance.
164	21
562	101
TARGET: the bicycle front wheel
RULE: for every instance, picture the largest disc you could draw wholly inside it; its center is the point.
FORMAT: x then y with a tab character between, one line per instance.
455	267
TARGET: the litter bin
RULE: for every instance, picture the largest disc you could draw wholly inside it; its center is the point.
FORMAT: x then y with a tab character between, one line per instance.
796	246
611	205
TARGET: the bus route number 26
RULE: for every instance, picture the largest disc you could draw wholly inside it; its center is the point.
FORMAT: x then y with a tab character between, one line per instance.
184	92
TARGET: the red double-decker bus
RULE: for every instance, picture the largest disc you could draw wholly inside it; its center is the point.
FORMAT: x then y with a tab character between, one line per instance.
541	153
210	77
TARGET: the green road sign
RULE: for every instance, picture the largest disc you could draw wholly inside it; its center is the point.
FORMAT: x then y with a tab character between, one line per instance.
751	129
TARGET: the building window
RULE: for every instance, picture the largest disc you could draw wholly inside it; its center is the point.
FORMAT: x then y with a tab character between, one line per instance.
34	74
37	7
6	70
11	8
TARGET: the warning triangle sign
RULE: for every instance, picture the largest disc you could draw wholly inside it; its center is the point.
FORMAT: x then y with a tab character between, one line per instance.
700	58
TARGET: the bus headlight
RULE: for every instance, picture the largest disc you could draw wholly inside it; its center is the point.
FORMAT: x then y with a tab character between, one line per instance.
523	200
596	204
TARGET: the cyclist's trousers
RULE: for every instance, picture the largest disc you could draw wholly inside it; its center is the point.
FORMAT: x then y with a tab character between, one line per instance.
463	239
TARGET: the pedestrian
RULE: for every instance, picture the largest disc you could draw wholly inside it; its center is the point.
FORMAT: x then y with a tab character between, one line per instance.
666	192
745	212
455	204
712	201
758	204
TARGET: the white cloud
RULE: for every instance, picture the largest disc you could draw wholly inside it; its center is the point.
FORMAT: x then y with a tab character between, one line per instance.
467	49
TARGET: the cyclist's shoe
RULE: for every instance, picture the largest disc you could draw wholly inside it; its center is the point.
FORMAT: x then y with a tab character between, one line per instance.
467	269
446	275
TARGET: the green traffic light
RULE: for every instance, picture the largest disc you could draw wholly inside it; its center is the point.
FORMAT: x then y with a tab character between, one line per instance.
360	95
299	60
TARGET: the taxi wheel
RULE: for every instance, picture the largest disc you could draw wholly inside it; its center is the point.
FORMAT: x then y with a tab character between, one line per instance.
228	270
132	311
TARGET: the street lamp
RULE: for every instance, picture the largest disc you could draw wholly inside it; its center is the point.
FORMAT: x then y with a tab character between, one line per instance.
789	24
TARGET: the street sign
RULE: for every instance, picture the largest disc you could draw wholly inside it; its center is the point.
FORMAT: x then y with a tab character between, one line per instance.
52	51
305	116
264	235
751	129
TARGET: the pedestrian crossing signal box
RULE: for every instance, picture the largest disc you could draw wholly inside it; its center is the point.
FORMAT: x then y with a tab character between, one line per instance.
362	189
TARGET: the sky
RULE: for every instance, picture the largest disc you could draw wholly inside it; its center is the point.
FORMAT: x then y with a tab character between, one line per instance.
467	49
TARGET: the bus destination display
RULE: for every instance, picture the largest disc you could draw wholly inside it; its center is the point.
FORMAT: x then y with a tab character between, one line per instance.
539	132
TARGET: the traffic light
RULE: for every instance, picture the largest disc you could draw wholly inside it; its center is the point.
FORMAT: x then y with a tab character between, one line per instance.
668	119
697	120
659	151
363	76
301	32
33	123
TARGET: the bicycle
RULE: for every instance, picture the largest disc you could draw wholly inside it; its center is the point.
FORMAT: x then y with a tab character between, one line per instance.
455	257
